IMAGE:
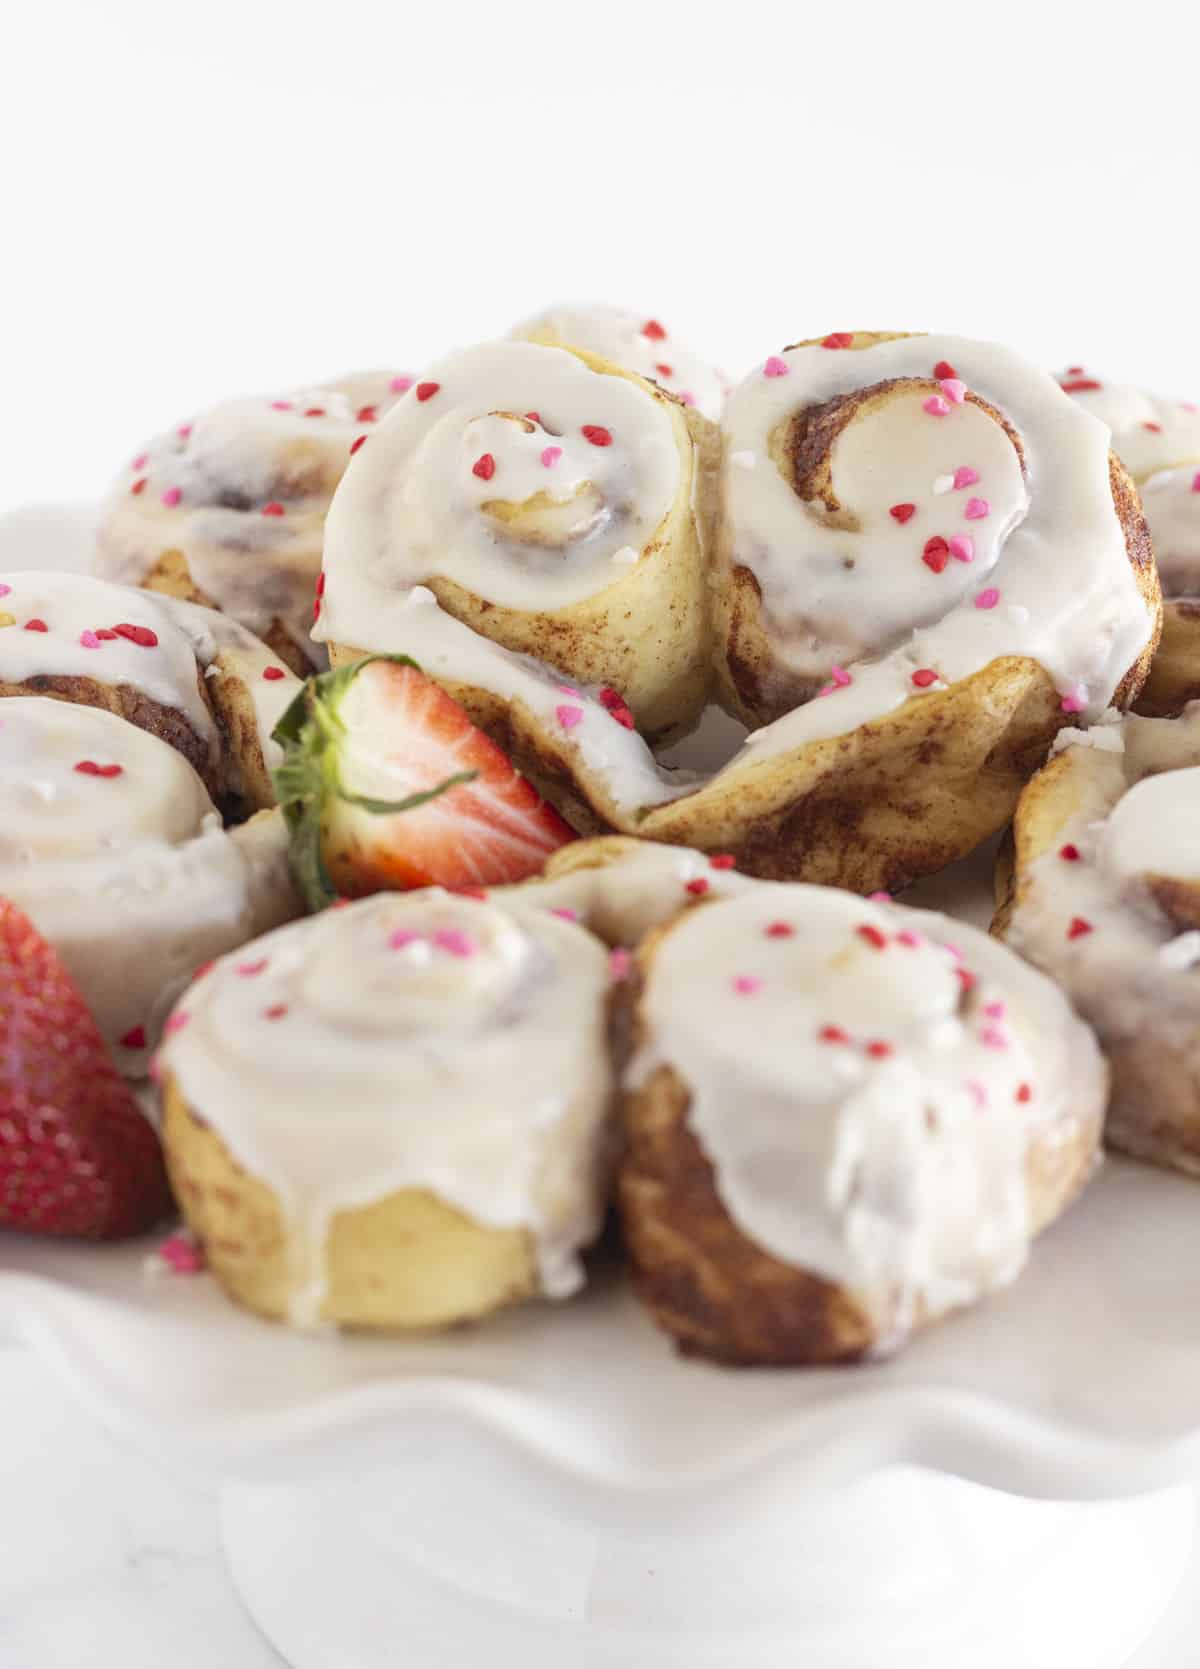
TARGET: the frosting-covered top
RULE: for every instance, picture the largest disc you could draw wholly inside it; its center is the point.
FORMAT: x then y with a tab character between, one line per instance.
943	553
631	340
866	1081
1159	442
242	491
414	1040
111	845
516	471
70	625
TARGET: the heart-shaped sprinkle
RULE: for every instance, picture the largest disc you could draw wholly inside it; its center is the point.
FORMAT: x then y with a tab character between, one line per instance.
1154	428
1081	385
596	434
903	512
5	590
89	640
401	937
400	385
962	547
139	486
275	1012
135	1038
551	455
954	389
141	635
977	509
366	414
1196	482
251	970
664	370
36	625
776	367
878	1050
780	930
906	937
427	390
943	370
936	554
697	888
484	466
936	406
840	676
942	484
315	411
833	1034
1079	926
273	674
966	978
654	330
923	677
568	717
355	444
838	339
274	509
281	405
746	984
872	936
1024	1093
1069	853
722	860
105	635
965	476
988	598
89	768
455	942
172	497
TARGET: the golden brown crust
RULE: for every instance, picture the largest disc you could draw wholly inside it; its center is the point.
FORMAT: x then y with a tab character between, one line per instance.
409	1261
248	776
1175	675
172	577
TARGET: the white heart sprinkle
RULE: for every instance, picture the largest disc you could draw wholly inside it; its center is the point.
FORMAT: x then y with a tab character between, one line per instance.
943	484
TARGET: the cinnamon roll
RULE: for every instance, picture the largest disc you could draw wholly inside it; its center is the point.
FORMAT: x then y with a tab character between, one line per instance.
844	1119
1159	442
228	509
396	1114
636	343
528	508
1102	890
110	844
183	673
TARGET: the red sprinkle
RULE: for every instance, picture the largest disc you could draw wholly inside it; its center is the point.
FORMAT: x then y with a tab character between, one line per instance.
838	339
833	1034
879	1051
780	930
366	414
251	970
36	626
966	978
923	677
534	416
354	445
321	583
1081	385
936	554
273	674
89	768
1154	428
139	486
664	370
103	631
872	935
134	1038
484	466
1078	928
944	369
141	635
654	331
697	888
1070	852
903	512
204	968
611	698
722	860
596	434
275	1012
427	390
1024	1093
274	509
315	411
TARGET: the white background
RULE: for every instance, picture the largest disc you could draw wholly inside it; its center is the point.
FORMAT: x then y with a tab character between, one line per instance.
230	196
199	200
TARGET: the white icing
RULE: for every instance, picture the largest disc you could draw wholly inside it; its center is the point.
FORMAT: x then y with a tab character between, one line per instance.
620	337
1154	829
74	604
412	506
476	1067
202	488
129	876
1052	546
1159	442
901	1175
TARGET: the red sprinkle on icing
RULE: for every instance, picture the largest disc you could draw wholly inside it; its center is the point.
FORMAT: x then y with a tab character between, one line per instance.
366	414
177	1021
274	509
833	1034
611	698
534	416
1069	853
872	935
36	625
89	768
966	978
654	331
697	888
903	512
321	583
1154	428
251	970
1081	385
597	434
275	1012
484	466
746	984
564	914
879	1050
923	677
427	390
838	339
943	369
139	486
936	554
315	411
1196	482
273	674
355	444
722	860
141	635
1079	927
135	1038
780	930
1024	1093
104	633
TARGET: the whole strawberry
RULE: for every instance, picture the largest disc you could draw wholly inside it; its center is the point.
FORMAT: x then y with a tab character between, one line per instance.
76	1154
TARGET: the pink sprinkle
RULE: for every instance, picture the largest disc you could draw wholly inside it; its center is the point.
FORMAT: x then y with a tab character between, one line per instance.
685	398
995	1011
5	590
177	1022
840	676
747	984
977	509
249	970
1196	482
993	1038
954	389
962	547
879	898
184	430
182	1255
988	598
452	939
568	717
965	476
977	1091
140	462
89	640
567	689
551	455
171	497
401	937
281	405
400	385
906	936
936	406
1073	701
620	961
565	914
953	950
776	367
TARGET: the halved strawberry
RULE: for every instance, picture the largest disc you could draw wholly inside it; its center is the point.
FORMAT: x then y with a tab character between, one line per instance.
387	784
76	1154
